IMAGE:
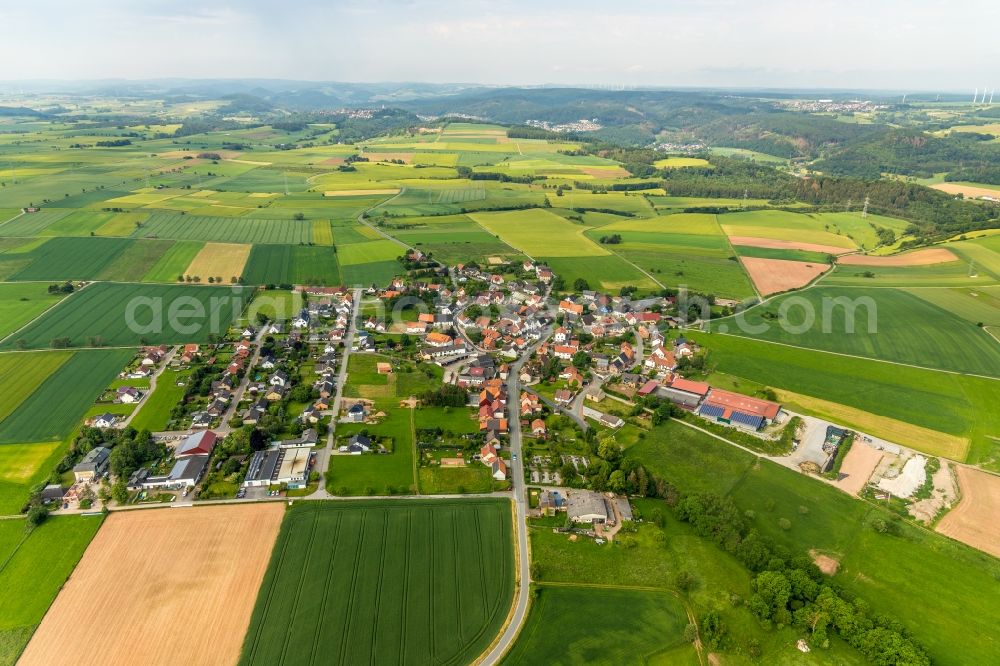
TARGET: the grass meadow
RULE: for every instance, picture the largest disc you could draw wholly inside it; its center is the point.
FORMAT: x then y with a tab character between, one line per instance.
33	568
635	627
944	611
887	324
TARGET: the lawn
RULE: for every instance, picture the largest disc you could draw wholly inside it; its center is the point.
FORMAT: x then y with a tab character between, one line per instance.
958	405
134	314
22	302
886	324
475	478
433	582
33	570
52	410
634	627
538	232
154	411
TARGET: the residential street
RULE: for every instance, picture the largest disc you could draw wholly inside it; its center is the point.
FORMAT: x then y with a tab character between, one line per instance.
324	455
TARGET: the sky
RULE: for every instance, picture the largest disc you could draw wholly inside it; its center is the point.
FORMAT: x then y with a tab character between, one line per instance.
884	44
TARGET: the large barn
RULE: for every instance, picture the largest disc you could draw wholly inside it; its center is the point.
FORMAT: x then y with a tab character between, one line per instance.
739	410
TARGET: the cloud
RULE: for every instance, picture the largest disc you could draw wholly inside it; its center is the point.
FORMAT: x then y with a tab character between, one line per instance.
848	43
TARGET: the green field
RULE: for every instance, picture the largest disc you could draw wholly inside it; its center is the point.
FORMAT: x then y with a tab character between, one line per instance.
680	250
885	324
23	466
154	411
23	373
102	311
787	255
173	263
635	627
784	225
959	405
226	229
53	409
539	233
292	264
22	302
69	259
379	273
32	571
369	252
377	582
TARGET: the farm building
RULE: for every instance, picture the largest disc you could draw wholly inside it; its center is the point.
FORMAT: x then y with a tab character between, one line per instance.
93	466
185	472
586	506
188	472
738	410
199	444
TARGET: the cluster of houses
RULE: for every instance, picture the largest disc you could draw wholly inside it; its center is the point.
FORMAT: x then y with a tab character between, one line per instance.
327	315
522	322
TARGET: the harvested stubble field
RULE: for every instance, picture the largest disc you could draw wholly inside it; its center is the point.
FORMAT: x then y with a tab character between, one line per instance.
772	276
178	586
225	260
777	244
925	257
974	520
402	582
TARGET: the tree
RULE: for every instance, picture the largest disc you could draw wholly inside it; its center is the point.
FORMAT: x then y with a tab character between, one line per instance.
581	284
581	360
119	492
36	516
616	481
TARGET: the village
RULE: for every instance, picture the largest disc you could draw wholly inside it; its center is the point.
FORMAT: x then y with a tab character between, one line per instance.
308	405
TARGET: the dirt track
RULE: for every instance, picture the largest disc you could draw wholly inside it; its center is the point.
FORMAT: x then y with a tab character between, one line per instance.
177	586
771	276
925	257
974	520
